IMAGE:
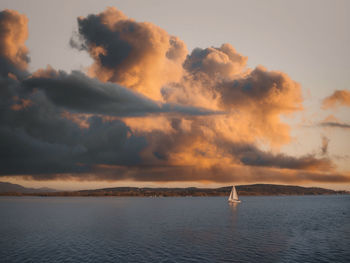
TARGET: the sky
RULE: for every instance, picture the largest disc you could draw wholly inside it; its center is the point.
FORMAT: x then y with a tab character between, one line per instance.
174	93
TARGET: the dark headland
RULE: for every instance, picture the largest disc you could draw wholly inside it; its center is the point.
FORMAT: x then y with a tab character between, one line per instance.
7	189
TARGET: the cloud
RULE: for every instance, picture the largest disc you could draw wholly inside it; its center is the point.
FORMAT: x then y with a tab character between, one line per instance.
194	147
255	98
147	111
54	122
269	91
250	155
135	54
82	94
41	127
58	146
215	173
138	55
332	122
337	99
335	125
39	140
223	62
13	34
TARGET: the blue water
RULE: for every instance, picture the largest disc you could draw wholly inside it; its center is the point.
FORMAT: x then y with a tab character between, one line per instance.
175	229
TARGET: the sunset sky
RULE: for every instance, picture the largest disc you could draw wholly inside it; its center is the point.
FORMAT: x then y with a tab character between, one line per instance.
174	93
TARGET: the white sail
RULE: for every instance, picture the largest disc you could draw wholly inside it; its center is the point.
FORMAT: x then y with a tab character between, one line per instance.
230	197
233	196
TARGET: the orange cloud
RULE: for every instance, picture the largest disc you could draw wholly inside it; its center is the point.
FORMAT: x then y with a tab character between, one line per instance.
262	97
13	34
138	55
337	99
78	118
48	72
20	104
214	174
255	99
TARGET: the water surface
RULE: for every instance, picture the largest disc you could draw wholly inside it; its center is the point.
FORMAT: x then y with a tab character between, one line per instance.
175	229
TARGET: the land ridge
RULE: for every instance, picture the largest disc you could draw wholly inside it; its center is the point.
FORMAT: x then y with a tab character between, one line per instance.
243	190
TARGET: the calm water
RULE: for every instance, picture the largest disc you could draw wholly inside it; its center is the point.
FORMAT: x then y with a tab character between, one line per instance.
201	229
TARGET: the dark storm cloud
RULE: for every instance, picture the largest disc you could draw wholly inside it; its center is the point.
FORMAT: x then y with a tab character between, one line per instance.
80	93
7	67
23	153
250	155
38	140
93	31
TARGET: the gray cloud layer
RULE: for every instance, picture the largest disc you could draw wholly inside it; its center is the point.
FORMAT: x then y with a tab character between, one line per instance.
80	93
38	140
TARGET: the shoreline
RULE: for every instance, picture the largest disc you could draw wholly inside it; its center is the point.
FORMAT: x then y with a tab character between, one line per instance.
242	190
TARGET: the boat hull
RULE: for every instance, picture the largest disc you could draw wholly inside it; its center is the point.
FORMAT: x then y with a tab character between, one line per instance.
234	201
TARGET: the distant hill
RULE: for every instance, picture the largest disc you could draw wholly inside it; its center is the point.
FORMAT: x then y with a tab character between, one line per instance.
254	189
274	189
8	188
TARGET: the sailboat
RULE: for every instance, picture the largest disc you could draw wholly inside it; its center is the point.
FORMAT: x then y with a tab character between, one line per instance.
233	196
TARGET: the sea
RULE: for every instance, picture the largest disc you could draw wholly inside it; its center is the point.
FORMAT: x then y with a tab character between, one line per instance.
175	229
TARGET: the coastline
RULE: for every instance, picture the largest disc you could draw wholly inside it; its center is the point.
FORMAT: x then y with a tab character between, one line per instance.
243	190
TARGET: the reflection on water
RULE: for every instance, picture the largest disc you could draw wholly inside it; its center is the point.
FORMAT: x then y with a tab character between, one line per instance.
233	206
260	229
234	213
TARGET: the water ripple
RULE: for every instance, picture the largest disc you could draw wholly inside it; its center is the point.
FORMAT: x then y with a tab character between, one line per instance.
260	229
